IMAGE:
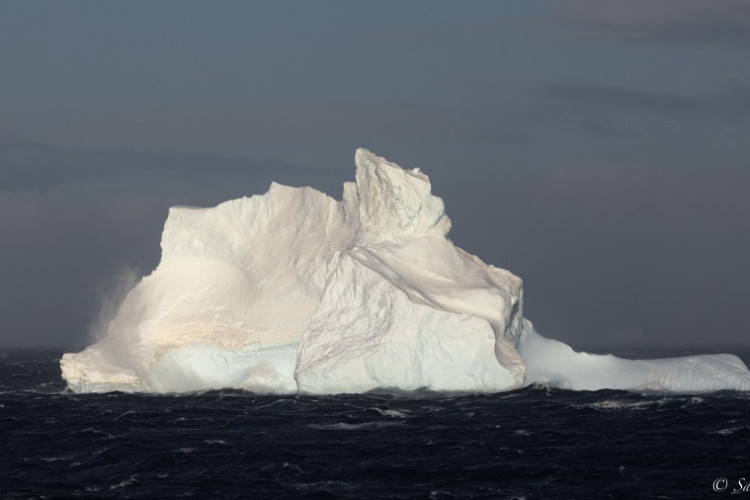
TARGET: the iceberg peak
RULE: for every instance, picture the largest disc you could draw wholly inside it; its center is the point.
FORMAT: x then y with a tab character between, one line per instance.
392	199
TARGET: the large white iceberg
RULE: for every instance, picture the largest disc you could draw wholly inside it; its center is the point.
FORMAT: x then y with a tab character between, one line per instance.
293	291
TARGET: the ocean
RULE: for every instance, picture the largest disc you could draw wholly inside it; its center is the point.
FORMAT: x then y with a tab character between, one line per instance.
531	443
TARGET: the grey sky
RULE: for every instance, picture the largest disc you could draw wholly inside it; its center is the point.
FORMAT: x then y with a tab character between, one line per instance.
598	149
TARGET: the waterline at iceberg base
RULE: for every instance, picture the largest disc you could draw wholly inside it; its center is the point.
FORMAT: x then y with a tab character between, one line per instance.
293	291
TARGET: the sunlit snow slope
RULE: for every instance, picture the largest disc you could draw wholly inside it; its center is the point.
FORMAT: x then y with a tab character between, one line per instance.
293	291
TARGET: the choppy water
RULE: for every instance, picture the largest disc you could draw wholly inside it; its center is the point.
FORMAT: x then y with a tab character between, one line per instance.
531	443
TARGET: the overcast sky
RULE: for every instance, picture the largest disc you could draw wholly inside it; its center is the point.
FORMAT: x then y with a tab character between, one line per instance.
598	149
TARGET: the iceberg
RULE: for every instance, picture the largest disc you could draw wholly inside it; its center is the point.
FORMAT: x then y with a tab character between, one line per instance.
295	292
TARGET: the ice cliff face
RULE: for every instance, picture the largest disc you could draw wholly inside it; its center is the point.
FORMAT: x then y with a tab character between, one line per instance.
294	291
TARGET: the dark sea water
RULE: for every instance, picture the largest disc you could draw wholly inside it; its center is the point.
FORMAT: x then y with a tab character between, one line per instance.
530	443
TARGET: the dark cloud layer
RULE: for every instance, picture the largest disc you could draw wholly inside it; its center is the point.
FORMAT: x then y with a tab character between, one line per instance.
669	22
732	104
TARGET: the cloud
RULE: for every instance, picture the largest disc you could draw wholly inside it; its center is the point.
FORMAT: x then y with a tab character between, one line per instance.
669	22
323	133
729	105
35	166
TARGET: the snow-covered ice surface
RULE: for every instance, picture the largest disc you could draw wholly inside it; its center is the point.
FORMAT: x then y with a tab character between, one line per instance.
293	291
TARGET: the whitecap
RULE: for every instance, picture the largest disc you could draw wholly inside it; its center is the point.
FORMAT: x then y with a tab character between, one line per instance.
127	482
343	426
